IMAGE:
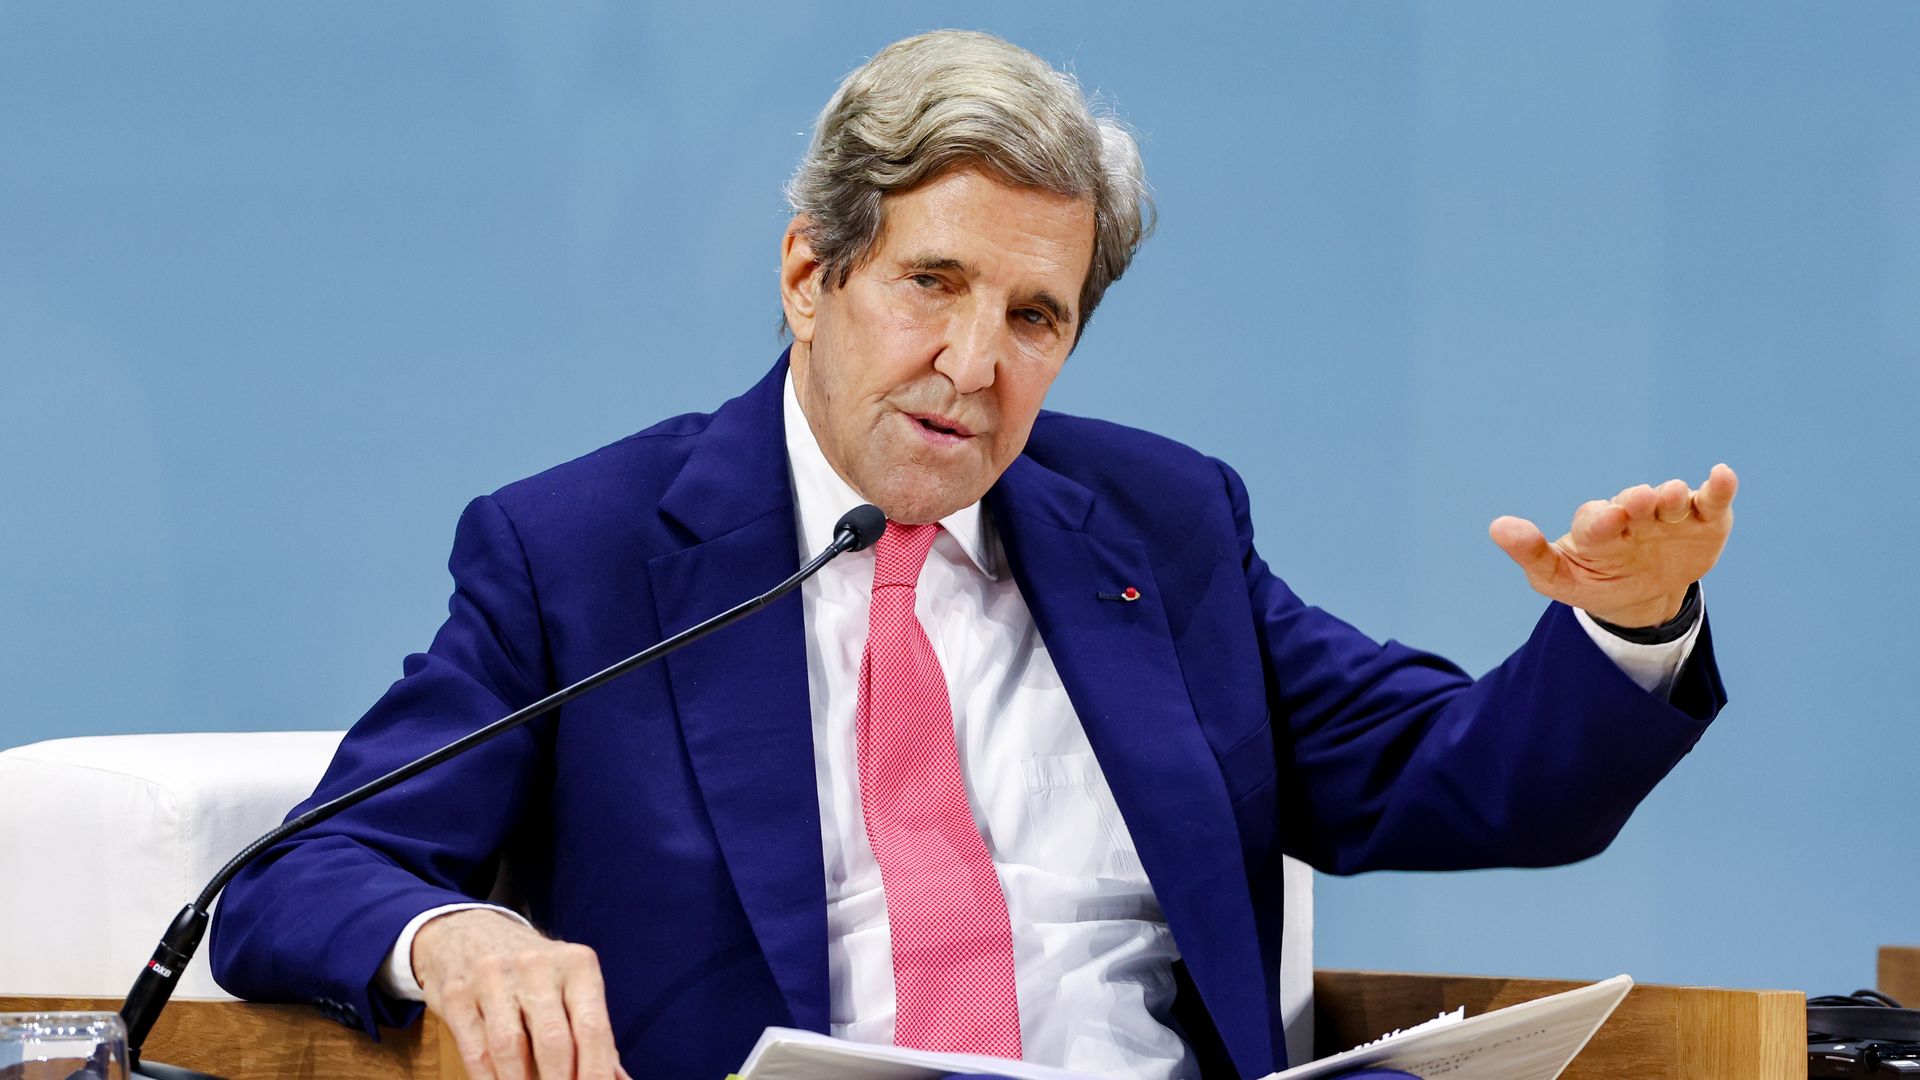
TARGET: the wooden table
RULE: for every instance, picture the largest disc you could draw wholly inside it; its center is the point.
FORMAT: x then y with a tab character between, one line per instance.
1657	1033
241	1041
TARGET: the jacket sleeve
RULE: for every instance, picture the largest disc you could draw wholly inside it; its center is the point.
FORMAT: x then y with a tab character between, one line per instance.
1392	758
314	918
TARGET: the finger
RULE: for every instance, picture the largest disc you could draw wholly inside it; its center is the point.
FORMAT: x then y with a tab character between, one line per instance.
460	1012
1715	497
586	1001
1675	502
1524	544
1597	522
1638	501
545	1015
506	1029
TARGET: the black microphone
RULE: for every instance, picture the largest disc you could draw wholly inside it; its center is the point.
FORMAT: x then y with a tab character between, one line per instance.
865	522
856	530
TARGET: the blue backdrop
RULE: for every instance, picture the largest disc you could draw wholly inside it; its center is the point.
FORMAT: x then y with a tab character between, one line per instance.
281	286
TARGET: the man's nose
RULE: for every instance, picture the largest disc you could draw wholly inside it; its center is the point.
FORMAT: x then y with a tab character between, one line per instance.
974	344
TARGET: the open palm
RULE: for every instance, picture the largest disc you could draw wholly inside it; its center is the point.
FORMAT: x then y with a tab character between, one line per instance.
1628	560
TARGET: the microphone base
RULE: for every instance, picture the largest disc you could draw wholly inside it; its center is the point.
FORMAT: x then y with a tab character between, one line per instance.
154	1070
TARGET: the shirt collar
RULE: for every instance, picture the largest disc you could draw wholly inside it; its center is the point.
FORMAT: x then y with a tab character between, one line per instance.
820	496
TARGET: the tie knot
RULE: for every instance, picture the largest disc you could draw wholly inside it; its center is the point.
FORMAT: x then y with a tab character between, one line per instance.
900	553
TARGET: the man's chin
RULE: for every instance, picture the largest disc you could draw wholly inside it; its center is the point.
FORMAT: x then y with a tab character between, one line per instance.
917	513
918	505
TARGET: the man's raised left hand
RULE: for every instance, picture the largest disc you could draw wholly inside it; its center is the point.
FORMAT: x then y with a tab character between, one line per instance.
1628	560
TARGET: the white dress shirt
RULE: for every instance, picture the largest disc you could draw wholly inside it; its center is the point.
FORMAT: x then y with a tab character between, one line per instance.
1092	952
1092	956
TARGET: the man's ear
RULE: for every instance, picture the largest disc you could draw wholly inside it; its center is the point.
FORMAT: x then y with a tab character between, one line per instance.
799	280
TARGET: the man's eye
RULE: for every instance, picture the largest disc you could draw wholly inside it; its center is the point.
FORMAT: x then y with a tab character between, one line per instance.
926	281
1034	317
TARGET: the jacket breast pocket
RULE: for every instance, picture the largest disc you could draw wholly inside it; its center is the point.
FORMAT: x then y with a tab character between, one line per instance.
1248	765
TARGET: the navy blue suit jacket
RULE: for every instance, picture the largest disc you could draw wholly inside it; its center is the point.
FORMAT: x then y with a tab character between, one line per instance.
670	820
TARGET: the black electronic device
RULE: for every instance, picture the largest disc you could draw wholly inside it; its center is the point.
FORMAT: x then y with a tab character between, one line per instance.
1869	1058
1864	1034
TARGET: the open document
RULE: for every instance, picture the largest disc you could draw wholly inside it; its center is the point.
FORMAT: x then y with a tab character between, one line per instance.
1534	1040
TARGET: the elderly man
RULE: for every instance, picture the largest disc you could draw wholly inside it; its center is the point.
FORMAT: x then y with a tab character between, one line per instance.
1017	781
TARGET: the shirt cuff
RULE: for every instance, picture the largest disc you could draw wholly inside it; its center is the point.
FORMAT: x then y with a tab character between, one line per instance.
396	977
1654	666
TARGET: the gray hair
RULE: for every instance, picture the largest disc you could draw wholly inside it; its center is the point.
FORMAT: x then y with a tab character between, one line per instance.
958	97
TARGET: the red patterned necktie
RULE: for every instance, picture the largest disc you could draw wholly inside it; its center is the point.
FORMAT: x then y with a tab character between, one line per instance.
952	947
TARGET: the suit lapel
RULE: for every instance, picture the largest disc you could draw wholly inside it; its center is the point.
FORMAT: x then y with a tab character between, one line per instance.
1117	661
742	693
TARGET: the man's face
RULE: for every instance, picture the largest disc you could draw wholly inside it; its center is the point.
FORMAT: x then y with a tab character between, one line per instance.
922	375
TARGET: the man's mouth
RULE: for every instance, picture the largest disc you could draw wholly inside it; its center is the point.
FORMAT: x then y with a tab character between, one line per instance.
941	425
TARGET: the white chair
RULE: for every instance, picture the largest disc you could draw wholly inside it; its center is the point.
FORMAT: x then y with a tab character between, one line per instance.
104	838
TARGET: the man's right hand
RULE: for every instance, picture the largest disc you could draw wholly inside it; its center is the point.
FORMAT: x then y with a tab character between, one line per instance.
519	1005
